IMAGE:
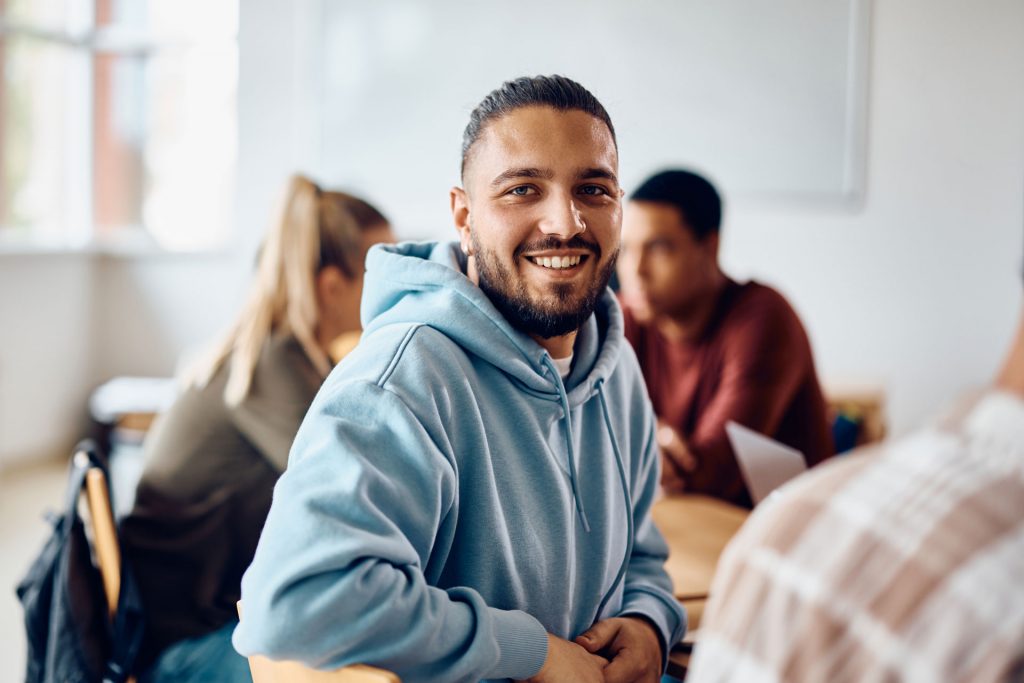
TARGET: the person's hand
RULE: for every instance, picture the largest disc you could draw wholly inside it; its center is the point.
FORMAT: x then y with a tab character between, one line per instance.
672	478
571	663
632	645
677	460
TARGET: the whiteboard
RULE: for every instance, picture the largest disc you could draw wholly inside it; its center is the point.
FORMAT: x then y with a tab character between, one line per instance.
768	98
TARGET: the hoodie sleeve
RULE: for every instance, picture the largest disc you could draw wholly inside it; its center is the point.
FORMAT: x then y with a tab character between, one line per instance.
338	575
648	588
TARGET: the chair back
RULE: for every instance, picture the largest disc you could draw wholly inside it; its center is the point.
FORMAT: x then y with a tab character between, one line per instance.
269	671
106	547
104	530
265	670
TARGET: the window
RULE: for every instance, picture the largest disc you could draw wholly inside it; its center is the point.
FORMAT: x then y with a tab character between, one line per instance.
117	122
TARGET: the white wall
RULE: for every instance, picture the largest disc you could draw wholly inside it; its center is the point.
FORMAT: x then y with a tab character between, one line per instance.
918	290
46	344
723	86
152	308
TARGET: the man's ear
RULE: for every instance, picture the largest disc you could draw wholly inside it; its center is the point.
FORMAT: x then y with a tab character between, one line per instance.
460	216
711	242
330	281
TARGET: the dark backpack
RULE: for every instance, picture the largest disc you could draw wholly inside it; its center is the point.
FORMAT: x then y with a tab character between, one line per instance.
70	637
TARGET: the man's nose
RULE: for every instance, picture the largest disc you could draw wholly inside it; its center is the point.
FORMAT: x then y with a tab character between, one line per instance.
562	219
641	264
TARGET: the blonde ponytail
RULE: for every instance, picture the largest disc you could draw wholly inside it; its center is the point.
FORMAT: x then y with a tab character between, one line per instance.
283	295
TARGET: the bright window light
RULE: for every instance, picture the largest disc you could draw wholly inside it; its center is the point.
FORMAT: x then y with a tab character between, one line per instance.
118	122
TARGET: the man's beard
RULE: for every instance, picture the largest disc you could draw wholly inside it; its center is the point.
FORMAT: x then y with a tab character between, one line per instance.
563	312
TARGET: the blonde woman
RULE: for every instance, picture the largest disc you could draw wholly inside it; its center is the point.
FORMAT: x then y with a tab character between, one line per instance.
212	460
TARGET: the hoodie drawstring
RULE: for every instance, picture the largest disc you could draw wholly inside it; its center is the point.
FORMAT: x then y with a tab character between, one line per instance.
568	443
625	494
573	477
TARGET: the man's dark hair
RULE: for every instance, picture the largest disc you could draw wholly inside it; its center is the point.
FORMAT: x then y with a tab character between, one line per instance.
550	91
694	196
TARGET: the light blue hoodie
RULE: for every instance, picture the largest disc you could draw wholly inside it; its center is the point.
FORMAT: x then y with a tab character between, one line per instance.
449	498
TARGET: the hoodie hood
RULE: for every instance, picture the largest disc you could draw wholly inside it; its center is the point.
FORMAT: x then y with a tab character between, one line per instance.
425	282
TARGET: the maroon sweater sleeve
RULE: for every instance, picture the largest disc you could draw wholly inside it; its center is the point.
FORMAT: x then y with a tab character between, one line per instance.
765	358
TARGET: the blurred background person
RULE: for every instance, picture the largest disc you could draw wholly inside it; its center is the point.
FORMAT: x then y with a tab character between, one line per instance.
903	564
213	458
711	349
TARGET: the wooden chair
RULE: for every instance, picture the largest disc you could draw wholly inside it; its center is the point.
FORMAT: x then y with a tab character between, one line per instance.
269	671
266	670
105	545
104	531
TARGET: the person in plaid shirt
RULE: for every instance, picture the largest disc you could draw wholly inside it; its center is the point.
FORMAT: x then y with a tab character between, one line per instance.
902	564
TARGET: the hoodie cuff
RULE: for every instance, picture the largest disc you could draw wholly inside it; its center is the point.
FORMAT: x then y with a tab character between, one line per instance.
669	620
522	644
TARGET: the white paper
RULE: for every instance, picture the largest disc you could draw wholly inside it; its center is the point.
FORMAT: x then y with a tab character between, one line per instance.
765	463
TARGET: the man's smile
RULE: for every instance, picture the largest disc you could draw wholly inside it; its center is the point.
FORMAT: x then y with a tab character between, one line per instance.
558	261
560	265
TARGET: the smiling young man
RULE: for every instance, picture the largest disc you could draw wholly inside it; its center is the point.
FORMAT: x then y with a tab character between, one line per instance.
469	496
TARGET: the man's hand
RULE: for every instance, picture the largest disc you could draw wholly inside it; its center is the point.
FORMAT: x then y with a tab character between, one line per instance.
632	645
571	663
677	460
673	480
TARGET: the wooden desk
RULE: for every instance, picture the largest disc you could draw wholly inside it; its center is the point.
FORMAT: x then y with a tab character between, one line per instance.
697	528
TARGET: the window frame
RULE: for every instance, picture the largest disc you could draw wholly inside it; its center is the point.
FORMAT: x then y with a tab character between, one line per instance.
84	40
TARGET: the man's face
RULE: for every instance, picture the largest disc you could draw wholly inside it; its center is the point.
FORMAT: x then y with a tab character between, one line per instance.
664	269
541	215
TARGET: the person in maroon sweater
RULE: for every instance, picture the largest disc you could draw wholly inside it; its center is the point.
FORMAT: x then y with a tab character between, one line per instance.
711	349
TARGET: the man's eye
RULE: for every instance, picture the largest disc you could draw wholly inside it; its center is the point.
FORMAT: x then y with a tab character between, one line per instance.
593	190
521	191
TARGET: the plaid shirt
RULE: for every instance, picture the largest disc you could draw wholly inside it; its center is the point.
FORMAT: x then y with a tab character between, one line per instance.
905	564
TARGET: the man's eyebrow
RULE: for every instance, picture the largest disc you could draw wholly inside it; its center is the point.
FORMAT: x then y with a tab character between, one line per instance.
589	173
514	173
